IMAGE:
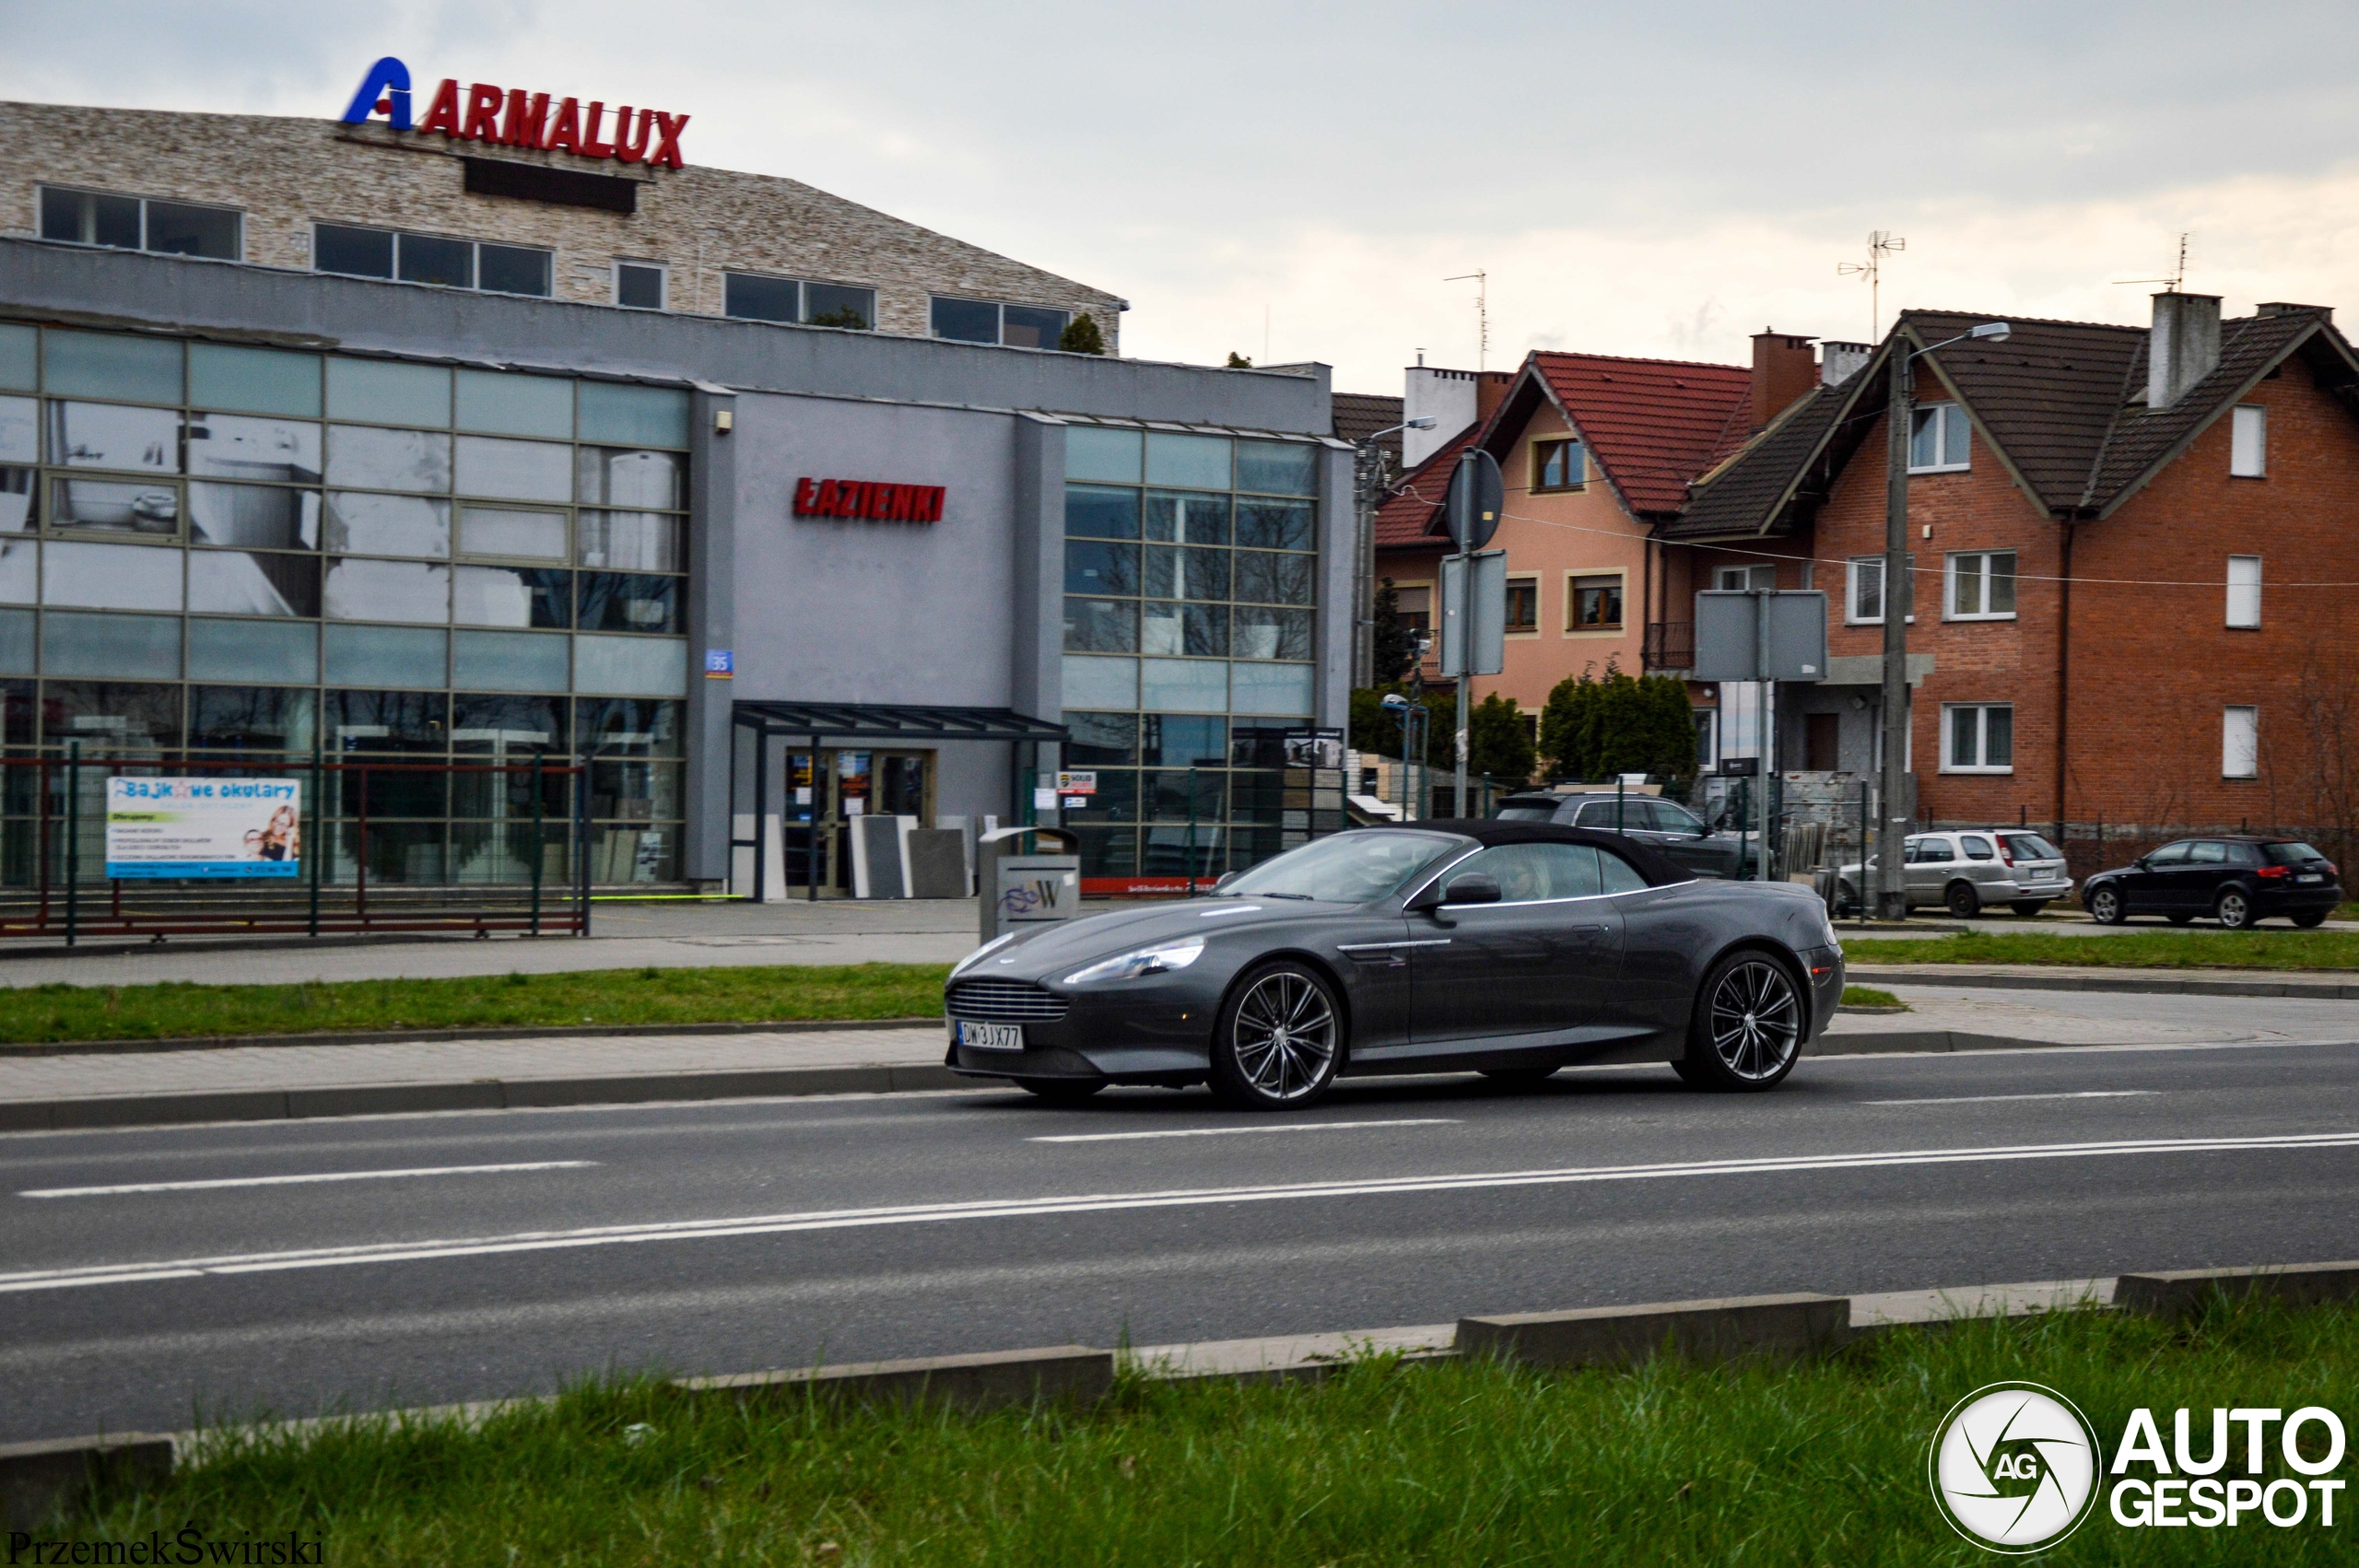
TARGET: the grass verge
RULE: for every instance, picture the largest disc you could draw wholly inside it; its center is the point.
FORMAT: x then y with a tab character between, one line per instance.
1868	996
1462	1464
43	1014
2140	949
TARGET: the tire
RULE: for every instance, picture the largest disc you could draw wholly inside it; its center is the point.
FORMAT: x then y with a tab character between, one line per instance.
1747	1029
2028	908
2105	908
1961	899
2310	920
1062	1091
1279	1040
1517	1075
2233	911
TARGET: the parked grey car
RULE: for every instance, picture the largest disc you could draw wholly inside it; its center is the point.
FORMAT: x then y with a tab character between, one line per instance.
1967	870
1665	826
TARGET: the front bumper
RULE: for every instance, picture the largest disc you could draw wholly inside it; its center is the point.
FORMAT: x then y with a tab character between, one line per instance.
1154	1030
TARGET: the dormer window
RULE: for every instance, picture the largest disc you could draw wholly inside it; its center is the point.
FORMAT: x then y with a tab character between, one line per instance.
1937	439
1558	465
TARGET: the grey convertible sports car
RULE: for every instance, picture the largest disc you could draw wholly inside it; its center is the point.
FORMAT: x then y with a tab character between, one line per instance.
1506	948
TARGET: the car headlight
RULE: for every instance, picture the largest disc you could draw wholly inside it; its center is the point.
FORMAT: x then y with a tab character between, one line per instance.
975	957
1145	960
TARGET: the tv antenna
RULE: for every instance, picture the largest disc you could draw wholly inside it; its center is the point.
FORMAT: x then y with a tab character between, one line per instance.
1882	242
2177	279
1481	281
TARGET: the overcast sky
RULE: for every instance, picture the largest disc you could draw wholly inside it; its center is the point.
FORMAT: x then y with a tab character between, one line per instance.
1647	180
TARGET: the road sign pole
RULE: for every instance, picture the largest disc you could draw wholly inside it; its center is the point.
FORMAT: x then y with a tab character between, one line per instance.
1760	730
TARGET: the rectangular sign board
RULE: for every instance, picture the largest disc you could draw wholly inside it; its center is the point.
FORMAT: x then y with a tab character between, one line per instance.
205	827
1483	597
1729	644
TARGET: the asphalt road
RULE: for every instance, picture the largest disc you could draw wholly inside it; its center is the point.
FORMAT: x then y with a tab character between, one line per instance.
734	1236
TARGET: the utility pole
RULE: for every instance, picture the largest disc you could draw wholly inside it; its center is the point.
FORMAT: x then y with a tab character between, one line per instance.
1369	476
1892	887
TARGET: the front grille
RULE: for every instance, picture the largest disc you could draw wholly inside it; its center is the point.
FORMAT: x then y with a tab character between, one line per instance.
1004	1002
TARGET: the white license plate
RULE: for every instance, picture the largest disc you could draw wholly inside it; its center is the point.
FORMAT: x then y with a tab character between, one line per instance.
2316	878
991	1036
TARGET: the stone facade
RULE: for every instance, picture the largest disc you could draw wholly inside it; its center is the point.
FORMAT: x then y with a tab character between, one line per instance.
284	174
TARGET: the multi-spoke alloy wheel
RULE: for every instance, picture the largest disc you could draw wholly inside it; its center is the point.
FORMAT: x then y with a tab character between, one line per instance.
1279	1040
1748	1026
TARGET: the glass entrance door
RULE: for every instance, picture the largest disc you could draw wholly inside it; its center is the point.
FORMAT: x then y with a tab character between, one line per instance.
846	784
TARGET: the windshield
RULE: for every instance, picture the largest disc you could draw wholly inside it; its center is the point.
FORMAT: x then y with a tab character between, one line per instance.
2291	854
1350	868
1527	811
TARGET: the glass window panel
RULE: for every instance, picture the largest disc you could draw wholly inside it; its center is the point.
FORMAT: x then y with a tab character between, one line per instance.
110	717
1274	525
19	570
500	531
511	596
1101	740
19	358
425	258
629	541
389	460
16	643
1102	514
1109	851
252	651
117	508
1206	630
1175	796
1095	569
84	217
1029	326
105	435
386	391
1176	573
967	321
631	790
1160	630
657	666
613	602
388	525
1101	625
836	305
1187	519
1967	573
1271	688
387	590
1271	634
512	269
1265	579
511	662
256	380
1092	452
111	577
1999	737
145	647
607	476
17	487
230	446
261	517
179	229
1964	723
19	429
628	727
1117	800
386	721
629	416
1177	741
260	582
638	287
397	854
500	722
514	471
1188	463
1281	468
1924	438
251	719
1184	686
500	403
2002	583
753	298
353	252
133	369
1101	682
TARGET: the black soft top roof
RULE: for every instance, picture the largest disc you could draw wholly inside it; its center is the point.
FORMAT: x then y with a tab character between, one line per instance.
1659	869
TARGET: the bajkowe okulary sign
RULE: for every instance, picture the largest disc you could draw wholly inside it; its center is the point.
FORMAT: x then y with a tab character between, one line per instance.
203	827
511	117
869	499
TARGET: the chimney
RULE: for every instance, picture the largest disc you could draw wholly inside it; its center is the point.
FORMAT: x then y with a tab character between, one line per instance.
1838	362
2183	347
2279	307
1490	386
1783	370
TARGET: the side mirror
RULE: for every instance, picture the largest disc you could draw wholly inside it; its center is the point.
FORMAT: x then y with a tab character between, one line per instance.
1703	830
2139	864
1226	878
1472	888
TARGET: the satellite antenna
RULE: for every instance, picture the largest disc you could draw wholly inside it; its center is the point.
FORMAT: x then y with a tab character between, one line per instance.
1481	281
1882	242
2177	279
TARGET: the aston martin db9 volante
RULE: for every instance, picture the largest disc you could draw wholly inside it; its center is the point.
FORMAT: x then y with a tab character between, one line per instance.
1506	948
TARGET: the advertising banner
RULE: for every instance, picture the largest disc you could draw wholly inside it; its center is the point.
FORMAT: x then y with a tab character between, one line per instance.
205	827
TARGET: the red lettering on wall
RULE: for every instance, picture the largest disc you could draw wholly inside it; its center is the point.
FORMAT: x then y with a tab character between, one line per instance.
591	146
873	500
443	113
527	119
667	147
627	147
565	132
805	493
484	102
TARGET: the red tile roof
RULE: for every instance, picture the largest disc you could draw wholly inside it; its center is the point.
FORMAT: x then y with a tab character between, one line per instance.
1412	515
1653	424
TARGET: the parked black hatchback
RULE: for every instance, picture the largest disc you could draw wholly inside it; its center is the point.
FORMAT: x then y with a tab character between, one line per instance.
2233	880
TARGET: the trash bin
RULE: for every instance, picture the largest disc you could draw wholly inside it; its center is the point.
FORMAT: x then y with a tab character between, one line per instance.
1025	889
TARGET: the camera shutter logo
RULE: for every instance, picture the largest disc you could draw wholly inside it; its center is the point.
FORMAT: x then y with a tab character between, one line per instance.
2014	1467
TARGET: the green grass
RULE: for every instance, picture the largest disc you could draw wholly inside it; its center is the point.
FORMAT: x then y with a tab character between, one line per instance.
1459	1464
2143	949
1868	996
56	1013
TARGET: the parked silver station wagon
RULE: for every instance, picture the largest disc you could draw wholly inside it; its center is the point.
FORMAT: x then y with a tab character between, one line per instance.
1970	869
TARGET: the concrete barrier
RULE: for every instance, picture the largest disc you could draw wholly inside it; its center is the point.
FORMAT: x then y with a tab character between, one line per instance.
1056	1375
1704	1330
2184	1292
39	1480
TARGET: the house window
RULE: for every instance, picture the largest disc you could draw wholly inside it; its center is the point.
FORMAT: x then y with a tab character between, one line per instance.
2244	591
1982	585
430	258
1523	604
1740	580
1863	590
1595	603
981	321
1558	465
1937	439
639	285
2248	443
135	223
1977	737
754	298
2240	742
1708	738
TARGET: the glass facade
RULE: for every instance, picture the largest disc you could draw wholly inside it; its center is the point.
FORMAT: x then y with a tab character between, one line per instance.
1190	597
214	553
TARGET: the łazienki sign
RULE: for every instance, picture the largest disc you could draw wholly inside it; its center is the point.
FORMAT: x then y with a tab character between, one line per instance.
865	498
514	118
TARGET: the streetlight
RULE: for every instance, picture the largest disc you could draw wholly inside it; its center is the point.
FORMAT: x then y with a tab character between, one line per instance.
1366	480
1892	888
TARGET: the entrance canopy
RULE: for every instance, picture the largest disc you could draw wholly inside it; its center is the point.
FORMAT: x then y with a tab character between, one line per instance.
891	721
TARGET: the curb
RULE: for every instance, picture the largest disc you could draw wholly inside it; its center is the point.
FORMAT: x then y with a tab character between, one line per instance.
1784	1326
37	1480
1058	1374
2153	982
439	1036
1903	1042
2185	1293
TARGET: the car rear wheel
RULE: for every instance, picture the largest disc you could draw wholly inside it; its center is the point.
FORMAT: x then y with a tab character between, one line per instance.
1747	1029
1279	1040
2105	906
2234	910
1962	900
1062	1091
2310	918
2027	907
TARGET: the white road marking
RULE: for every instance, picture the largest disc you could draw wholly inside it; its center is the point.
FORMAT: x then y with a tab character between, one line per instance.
2060	1094
295	1180
1113	1202
1225	1131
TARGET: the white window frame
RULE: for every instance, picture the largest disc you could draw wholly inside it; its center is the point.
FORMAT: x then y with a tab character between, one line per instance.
1740	580
2249	443
1708	738
1854	570
1982	711
1952	440
663	283
2244	592
2240	742
1951	576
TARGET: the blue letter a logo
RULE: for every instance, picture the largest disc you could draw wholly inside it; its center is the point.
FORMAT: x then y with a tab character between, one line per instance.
389	79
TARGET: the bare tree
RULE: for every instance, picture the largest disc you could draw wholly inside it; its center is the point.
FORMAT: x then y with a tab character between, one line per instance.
2315	758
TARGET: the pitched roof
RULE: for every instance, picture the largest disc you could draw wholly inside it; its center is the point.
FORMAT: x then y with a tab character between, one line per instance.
1411	516
1652	425
1747	492
2142	438
1361	415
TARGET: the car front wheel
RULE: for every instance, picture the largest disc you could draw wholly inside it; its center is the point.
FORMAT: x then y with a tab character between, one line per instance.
1747	1029
2105	908
1279	1040
2235	911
